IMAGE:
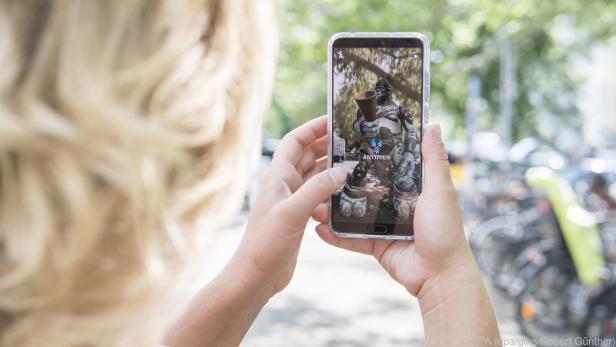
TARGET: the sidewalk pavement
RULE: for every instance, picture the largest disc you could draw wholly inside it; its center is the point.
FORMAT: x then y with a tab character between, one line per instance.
342	299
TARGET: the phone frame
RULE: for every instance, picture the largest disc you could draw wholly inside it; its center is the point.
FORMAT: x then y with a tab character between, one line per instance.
330	108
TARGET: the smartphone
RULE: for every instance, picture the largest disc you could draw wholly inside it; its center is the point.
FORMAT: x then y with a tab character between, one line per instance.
378	97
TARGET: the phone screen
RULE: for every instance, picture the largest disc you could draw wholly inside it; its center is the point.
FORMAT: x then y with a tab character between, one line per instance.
376	133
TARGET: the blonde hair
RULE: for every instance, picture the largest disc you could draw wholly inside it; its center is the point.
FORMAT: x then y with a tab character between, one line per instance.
124	126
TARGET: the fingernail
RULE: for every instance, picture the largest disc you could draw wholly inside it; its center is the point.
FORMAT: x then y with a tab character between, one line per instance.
436	134
338	175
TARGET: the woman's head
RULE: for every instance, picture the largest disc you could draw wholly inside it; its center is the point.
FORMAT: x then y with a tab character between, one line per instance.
124	124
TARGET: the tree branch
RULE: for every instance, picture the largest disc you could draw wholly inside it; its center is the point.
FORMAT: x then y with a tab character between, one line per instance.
393	82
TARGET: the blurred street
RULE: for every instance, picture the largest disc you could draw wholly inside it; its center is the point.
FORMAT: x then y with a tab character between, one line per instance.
523	93
338	298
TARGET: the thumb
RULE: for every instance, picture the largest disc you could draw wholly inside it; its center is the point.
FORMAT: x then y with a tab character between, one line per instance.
437	179
315	190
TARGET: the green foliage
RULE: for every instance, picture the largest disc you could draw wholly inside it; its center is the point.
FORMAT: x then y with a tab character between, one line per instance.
464	36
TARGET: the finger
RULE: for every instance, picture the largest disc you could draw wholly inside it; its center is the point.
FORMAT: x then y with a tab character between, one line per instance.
319	166
314	191
438	197
321	213
364	246
293	144
437	177
283	177
316	150
290	176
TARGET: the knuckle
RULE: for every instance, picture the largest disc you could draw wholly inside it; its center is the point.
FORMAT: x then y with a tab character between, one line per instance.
287	140
321	182
287	137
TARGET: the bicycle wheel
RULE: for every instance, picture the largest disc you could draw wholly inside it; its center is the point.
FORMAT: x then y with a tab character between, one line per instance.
542	305
492	244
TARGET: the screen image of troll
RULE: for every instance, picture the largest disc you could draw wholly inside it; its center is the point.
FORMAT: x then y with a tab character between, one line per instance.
377	120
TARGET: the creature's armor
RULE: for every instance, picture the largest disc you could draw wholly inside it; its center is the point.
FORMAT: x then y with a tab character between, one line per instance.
391	133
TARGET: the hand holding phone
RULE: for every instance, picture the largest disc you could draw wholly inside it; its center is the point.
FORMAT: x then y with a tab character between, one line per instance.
294	184
439	244
438	267
263	264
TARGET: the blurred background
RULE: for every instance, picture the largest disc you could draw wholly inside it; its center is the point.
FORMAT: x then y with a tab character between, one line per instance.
526	94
